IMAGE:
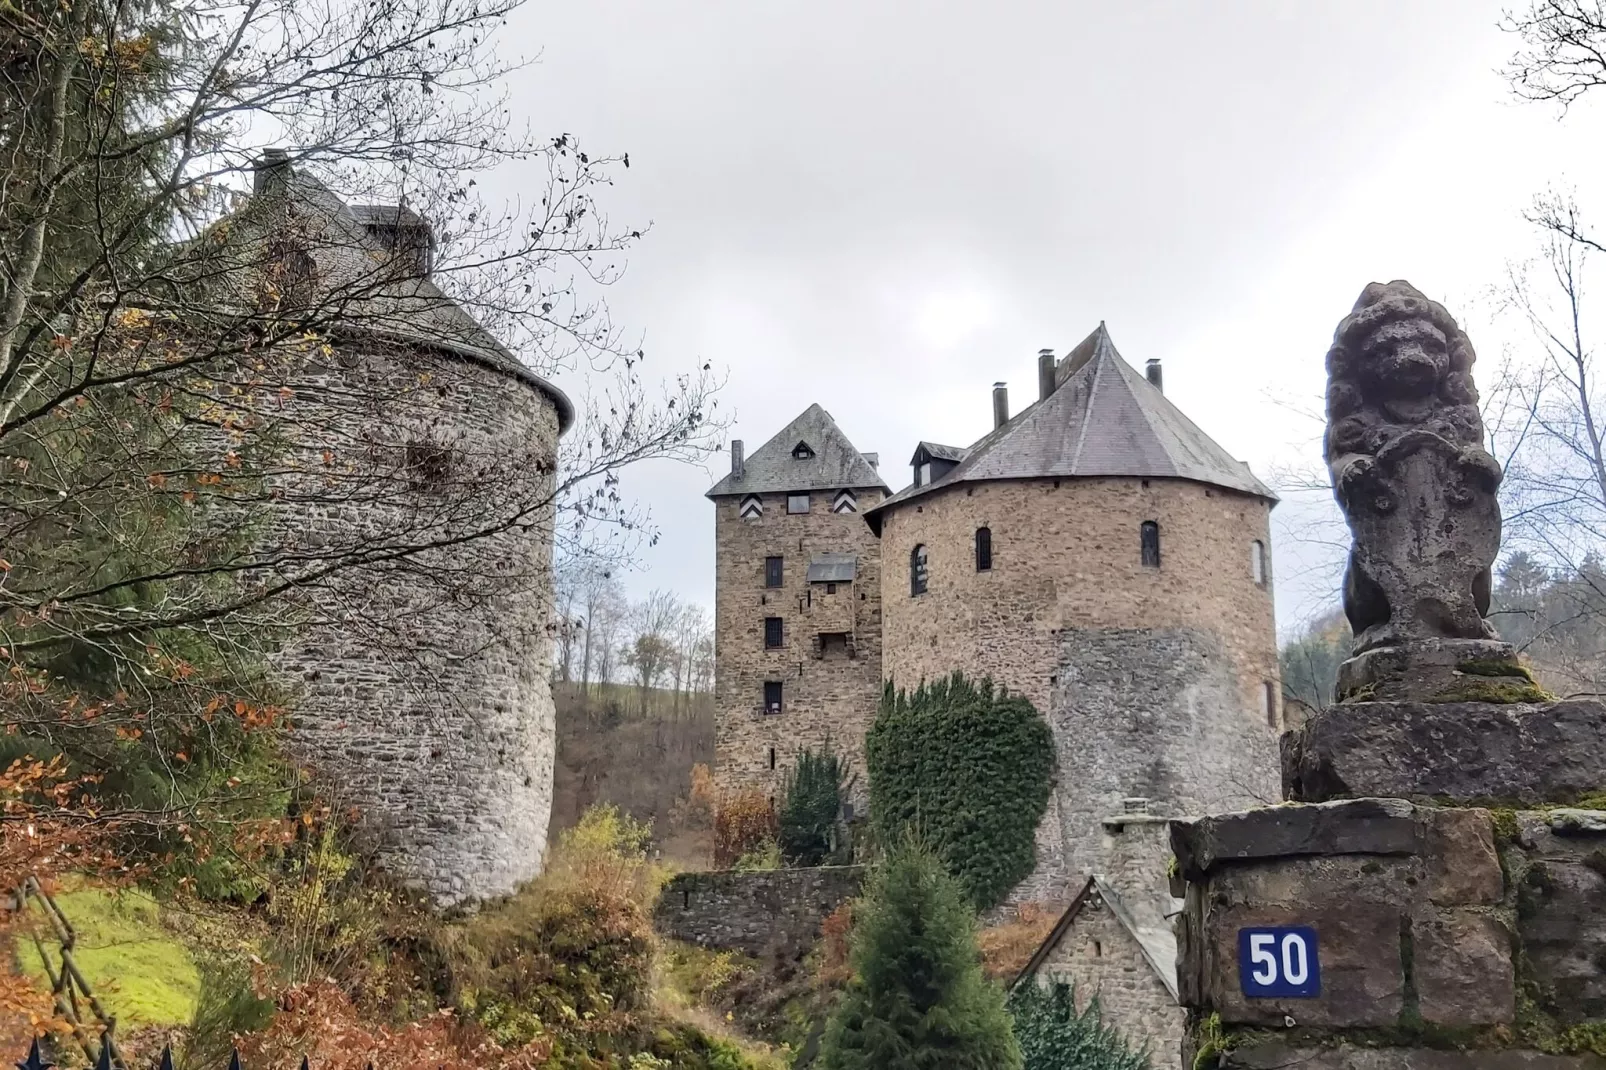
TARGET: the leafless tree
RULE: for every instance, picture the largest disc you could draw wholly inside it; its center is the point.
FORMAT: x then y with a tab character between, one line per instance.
1563	52
651	649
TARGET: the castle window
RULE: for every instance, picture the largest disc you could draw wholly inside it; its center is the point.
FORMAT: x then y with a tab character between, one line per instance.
797	503
1257	562
1268	703
917	571
772	571
1150	539
772	698
923	474
772	632
984	549
772	757
803	451
830	588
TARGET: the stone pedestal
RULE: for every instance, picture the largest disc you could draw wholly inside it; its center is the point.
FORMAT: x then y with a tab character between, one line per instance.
1460	914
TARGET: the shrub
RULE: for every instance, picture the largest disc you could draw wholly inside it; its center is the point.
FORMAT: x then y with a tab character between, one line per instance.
1007	947
744	824
969	769
918	998
809	829
1054	1035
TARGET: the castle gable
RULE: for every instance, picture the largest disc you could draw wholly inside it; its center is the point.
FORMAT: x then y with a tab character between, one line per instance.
1103	418
810	453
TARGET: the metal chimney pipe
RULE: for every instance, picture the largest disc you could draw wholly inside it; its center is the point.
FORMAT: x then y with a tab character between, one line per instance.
1045	373
738	463
1000	405
1152	371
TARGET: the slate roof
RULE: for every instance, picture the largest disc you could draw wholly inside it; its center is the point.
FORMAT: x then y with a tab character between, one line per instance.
771	469
833	568
1104	419
369	294
1146	923
938	452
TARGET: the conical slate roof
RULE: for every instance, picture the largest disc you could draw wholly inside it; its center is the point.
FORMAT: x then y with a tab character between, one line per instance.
772	468
1104	419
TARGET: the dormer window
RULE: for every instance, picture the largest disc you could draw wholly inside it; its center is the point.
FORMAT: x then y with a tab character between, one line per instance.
803	451
923	474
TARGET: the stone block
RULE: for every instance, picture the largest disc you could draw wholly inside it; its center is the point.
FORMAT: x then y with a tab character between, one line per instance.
1360	826
1561	923
1523	753
1363	982
1276	1056
1463	867
1461	969
1423	669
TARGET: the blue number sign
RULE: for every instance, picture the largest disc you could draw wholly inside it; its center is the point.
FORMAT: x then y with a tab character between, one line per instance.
1279	962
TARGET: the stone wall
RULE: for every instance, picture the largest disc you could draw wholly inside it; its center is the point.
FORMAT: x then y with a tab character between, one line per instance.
828	699
1153	679
772	912
422	684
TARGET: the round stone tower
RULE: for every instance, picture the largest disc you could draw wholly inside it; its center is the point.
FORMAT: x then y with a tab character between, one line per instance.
1099	554
421	457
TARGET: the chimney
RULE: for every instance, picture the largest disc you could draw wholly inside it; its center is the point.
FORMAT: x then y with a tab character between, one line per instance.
1152	370
1000	405
271	168
738	462
1045	373
874	460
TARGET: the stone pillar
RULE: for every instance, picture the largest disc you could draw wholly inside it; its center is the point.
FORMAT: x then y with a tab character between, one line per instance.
1433	893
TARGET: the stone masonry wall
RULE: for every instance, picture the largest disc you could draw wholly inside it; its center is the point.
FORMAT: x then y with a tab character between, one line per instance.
423	692
1099	958
772	912
1153	679
825	700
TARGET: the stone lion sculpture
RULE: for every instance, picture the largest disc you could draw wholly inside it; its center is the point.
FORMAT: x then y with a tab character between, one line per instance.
1405	452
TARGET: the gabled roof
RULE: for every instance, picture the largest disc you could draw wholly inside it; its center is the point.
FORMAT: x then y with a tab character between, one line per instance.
357	274
1104	419
1154	935
938	452
771	469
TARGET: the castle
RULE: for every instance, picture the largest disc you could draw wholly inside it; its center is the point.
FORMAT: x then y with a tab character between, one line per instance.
1096	552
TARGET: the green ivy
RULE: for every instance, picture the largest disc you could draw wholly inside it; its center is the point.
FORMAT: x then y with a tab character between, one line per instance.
968	768
1054	1035
809	833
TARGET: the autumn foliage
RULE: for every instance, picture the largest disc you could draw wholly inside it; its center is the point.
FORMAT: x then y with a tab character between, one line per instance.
744	823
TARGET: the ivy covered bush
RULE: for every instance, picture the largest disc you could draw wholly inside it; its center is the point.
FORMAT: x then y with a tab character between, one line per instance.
967	768
1054	1035
810	833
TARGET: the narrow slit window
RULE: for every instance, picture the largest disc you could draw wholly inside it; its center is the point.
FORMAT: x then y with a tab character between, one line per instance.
984	549
917	571
772	757
772	696
1149	537
1268	703
773	571
773	634
1257	562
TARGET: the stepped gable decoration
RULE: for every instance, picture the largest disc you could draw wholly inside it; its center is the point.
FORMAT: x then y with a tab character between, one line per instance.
1405	452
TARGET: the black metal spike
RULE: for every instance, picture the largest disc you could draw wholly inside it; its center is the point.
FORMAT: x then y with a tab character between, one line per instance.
304	1065
167	1058
234	1060
35	1060
105	1060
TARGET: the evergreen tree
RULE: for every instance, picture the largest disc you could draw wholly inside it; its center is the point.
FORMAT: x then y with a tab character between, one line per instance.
1054	1035
918	999
808	820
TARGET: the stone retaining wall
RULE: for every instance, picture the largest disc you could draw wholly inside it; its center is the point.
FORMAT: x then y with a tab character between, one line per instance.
771	912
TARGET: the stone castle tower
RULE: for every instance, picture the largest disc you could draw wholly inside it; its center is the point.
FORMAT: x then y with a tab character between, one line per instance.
1096	552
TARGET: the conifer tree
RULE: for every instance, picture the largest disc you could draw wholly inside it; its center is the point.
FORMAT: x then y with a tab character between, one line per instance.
808	820
918	999
1054	1035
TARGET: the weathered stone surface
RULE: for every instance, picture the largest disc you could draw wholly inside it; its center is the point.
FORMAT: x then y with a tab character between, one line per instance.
1275	1056
1405	451
1561	923
1521	753
1578	822
1436	669
1359	826
768	912
1463	866
1461	969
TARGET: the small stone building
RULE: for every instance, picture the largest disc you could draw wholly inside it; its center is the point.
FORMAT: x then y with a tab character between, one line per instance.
421	455
797	605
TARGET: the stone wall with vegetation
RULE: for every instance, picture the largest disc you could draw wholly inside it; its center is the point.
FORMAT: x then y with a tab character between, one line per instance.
759	913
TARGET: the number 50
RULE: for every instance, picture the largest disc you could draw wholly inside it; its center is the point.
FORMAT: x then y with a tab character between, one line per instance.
1295	958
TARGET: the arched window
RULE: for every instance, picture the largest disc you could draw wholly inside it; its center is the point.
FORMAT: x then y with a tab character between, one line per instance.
1257	562
984	549
917	571
1150	538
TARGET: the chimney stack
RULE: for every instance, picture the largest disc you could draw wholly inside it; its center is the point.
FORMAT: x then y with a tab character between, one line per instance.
1045	373
270	167
738	463
1152	370
873	459
1000	405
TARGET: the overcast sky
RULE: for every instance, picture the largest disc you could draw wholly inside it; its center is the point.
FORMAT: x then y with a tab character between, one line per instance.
884	207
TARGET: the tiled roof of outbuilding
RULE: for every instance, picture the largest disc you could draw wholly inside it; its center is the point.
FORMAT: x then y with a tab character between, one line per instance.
1104	419
771	469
